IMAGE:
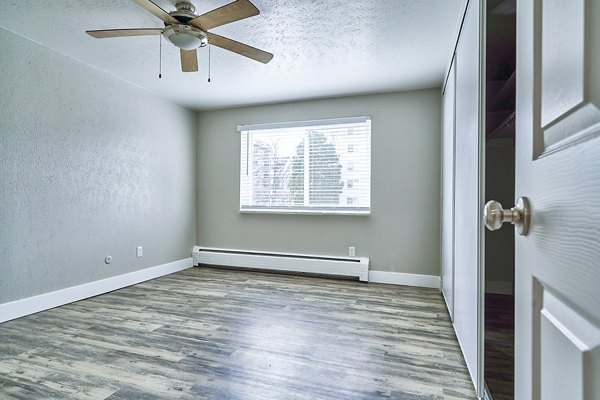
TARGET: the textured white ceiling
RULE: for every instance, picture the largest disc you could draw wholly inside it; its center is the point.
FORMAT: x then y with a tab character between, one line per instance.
322	48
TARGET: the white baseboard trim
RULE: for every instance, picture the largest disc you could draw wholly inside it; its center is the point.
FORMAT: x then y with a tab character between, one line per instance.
498	287
46	301
399	278
286	262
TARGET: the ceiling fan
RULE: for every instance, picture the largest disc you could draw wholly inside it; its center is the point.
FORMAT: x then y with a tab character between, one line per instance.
188	31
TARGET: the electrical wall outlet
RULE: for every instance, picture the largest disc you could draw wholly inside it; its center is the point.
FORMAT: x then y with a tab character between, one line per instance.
352	251
139	251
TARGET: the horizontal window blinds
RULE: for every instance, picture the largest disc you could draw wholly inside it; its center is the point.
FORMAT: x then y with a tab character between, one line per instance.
307	167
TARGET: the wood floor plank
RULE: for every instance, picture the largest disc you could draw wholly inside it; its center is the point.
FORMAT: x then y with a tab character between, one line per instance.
219	334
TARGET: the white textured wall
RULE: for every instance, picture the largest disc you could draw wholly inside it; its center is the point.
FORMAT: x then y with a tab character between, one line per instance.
89	166
402	234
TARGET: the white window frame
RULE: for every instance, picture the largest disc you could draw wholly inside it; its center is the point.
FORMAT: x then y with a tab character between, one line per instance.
341	209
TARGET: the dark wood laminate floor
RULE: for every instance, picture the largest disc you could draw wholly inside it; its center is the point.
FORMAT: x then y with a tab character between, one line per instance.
499	345
220	334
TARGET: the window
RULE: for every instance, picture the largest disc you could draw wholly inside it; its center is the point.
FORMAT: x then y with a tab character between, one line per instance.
301	167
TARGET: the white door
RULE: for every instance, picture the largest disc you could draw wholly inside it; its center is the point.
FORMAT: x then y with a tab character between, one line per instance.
468	189
557	332
448	101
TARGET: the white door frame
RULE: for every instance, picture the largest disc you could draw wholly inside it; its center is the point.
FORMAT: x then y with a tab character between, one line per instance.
481	388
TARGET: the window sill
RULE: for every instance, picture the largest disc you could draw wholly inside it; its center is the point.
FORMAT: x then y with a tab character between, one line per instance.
356	213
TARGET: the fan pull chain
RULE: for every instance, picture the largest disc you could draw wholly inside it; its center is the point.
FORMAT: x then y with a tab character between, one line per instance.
159	56
209	63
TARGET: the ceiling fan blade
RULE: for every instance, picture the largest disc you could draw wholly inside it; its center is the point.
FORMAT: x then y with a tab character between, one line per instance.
238	10
239	48
189	60
110	33
156	10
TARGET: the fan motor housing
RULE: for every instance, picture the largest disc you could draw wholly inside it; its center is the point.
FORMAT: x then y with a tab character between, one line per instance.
185	12
185	37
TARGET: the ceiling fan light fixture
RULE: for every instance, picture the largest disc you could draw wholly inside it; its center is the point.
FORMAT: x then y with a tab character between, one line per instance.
188	31
185	37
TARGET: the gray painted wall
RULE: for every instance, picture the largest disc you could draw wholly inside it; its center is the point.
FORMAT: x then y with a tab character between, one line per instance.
89	166
402	234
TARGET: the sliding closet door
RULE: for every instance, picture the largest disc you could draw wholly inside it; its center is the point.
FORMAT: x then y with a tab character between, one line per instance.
468	190
448	102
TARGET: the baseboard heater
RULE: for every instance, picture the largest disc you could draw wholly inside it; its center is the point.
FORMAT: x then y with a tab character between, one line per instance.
313	264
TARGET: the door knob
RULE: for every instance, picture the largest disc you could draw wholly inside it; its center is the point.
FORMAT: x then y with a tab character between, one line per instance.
494	215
